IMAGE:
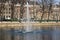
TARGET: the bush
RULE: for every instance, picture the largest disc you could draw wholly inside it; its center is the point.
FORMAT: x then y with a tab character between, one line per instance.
10	20
15	19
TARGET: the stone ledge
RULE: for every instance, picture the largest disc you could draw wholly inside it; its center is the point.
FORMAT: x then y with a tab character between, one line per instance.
17	24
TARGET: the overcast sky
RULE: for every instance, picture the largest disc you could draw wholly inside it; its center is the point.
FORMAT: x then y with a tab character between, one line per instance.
57	1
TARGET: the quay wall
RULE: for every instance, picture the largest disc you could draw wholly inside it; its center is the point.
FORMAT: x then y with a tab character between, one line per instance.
18	24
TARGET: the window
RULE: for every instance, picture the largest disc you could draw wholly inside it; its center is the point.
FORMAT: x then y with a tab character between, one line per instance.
9	12
6	16
6	12
9	16
9	8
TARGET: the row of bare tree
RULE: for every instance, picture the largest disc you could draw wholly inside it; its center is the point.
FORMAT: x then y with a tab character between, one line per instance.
46	6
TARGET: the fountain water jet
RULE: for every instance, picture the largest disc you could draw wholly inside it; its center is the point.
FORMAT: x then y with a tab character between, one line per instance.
28	27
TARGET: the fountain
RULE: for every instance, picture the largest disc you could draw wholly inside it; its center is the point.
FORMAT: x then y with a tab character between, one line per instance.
28	24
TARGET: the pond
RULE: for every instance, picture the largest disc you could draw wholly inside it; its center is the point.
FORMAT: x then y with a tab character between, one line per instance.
42	34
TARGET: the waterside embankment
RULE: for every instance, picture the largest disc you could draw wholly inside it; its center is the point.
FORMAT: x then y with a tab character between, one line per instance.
19	25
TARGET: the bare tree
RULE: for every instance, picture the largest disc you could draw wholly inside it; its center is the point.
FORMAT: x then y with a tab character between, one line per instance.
50	7
59	10
2	7
33	10
46	7
43	8
12	8
22	8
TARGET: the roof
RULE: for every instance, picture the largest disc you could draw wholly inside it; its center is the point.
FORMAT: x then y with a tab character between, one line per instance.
17	4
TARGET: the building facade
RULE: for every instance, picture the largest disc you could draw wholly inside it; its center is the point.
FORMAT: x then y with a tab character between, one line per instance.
7	11
17	11
35	11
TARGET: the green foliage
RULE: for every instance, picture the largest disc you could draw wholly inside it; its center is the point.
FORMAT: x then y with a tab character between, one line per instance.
47	20
10	19
15	19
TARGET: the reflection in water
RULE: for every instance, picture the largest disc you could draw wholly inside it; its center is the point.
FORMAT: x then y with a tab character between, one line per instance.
45	33
56	33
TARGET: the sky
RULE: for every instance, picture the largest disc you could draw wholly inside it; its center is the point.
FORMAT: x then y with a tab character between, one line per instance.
57	1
